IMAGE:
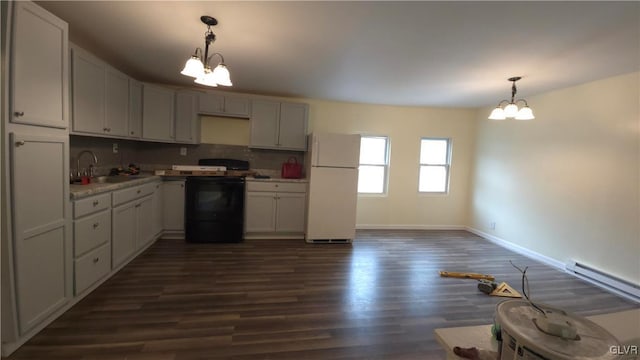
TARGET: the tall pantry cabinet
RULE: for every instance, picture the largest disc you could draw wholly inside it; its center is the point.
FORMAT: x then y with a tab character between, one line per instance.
37	279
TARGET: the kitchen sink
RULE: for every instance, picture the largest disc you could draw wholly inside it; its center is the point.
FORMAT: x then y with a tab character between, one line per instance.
113	179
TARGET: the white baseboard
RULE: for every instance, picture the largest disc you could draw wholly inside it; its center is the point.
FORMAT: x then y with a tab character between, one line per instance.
409	227
519	249
605	285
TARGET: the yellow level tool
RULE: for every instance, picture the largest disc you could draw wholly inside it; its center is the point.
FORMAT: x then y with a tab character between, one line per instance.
467	275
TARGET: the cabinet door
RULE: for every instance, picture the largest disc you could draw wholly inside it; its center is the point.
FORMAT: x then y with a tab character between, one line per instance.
264	123
236	106
186	117
157	113
145	220
173	209
123	230
211	104
157	207
116	112
88	93
41	234
293	126
39	67
290	213
260	212
135	108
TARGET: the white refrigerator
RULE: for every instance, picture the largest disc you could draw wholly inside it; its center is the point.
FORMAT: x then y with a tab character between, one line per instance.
332	168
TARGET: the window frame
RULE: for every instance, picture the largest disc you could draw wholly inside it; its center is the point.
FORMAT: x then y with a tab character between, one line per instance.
447	166
385	180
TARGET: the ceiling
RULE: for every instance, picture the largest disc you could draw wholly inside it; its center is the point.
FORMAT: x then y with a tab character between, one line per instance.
450	54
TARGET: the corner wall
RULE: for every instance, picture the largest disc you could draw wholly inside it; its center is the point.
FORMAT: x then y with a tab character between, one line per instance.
567	184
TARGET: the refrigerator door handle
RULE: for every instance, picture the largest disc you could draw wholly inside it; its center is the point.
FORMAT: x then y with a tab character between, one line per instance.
317	152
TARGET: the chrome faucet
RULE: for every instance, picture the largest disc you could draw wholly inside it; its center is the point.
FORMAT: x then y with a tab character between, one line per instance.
92	167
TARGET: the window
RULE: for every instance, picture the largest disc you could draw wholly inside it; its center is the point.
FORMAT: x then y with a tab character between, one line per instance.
435	160
374	160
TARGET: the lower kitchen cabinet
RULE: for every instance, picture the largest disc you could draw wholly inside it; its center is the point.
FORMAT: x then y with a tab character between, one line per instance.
173	209
275	209
92	267
124	233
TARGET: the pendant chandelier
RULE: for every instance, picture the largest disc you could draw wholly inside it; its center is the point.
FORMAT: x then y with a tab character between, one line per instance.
198	66
511	111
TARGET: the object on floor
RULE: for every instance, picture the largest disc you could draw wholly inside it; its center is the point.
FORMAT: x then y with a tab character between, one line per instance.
504	290
486	286
467	275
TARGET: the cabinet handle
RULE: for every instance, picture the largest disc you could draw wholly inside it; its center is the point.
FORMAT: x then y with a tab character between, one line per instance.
138	192
181	185
96	225
95	260
132	133
18	113
137	205
96	202
20	143
105	129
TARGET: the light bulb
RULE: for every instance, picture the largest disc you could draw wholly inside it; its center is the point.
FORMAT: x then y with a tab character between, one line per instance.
221	75
207	79
193	67
511	110
525	114
497	114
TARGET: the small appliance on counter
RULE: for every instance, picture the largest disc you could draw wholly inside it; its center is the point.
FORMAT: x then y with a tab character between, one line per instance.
214	205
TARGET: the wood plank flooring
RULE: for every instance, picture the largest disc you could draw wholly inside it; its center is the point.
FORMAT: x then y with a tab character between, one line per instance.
380	298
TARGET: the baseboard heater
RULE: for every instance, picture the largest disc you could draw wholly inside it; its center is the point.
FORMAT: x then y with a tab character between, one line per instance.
619	286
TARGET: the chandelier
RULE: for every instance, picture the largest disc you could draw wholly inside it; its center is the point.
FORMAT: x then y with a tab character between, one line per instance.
511	110
198	65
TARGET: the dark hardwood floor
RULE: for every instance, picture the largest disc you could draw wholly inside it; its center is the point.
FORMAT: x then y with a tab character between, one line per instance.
380	298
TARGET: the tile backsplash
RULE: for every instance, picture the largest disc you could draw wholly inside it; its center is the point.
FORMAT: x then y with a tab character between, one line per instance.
151	155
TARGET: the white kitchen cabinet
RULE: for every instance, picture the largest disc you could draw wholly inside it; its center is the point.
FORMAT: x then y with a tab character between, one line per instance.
88	93
157	209
145	222
275	209
279	125
219	104
39	84
187	120
100	96
173	207
116	112
158	117
123	241
135	108
42	257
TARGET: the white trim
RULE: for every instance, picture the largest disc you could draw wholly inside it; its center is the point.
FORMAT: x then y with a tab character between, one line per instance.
597	277
519	249
608	285
409	227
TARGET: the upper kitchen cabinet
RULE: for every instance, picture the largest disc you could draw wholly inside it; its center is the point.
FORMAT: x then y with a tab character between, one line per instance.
100	96
135	108
158	117
279	125
218	104
187	120
39	67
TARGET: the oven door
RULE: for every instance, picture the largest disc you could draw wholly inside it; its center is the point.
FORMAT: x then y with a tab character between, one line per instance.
214	209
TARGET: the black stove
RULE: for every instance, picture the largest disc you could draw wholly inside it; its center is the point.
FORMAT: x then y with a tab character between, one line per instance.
215	204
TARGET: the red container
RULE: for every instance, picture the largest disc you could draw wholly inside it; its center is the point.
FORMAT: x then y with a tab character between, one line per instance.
291	169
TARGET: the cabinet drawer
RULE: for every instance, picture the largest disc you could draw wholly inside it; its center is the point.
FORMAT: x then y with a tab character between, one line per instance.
92	267
276	186
90	232
132	193
91	205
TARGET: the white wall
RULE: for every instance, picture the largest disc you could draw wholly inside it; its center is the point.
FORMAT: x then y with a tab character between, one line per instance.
403	206
566	185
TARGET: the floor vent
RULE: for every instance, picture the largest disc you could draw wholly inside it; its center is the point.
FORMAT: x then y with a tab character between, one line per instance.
329	241
619	286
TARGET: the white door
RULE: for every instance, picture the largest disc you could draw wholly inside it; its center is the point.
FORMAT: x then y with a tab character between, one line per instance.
135	108
123	222
332	203
265	116
335	150
260	212
293	126
144	216
116	111
42	251
291	210
157	113
186	116
39	67
173	217
88	93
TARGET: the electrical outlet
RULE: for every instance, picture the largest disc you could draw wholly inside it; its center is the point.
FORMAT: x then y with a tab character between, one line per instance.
492	225
115	148
183	151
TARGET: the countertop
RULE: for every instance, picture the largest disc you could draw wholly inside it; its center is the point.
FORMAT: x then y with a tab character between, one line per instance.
82	191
